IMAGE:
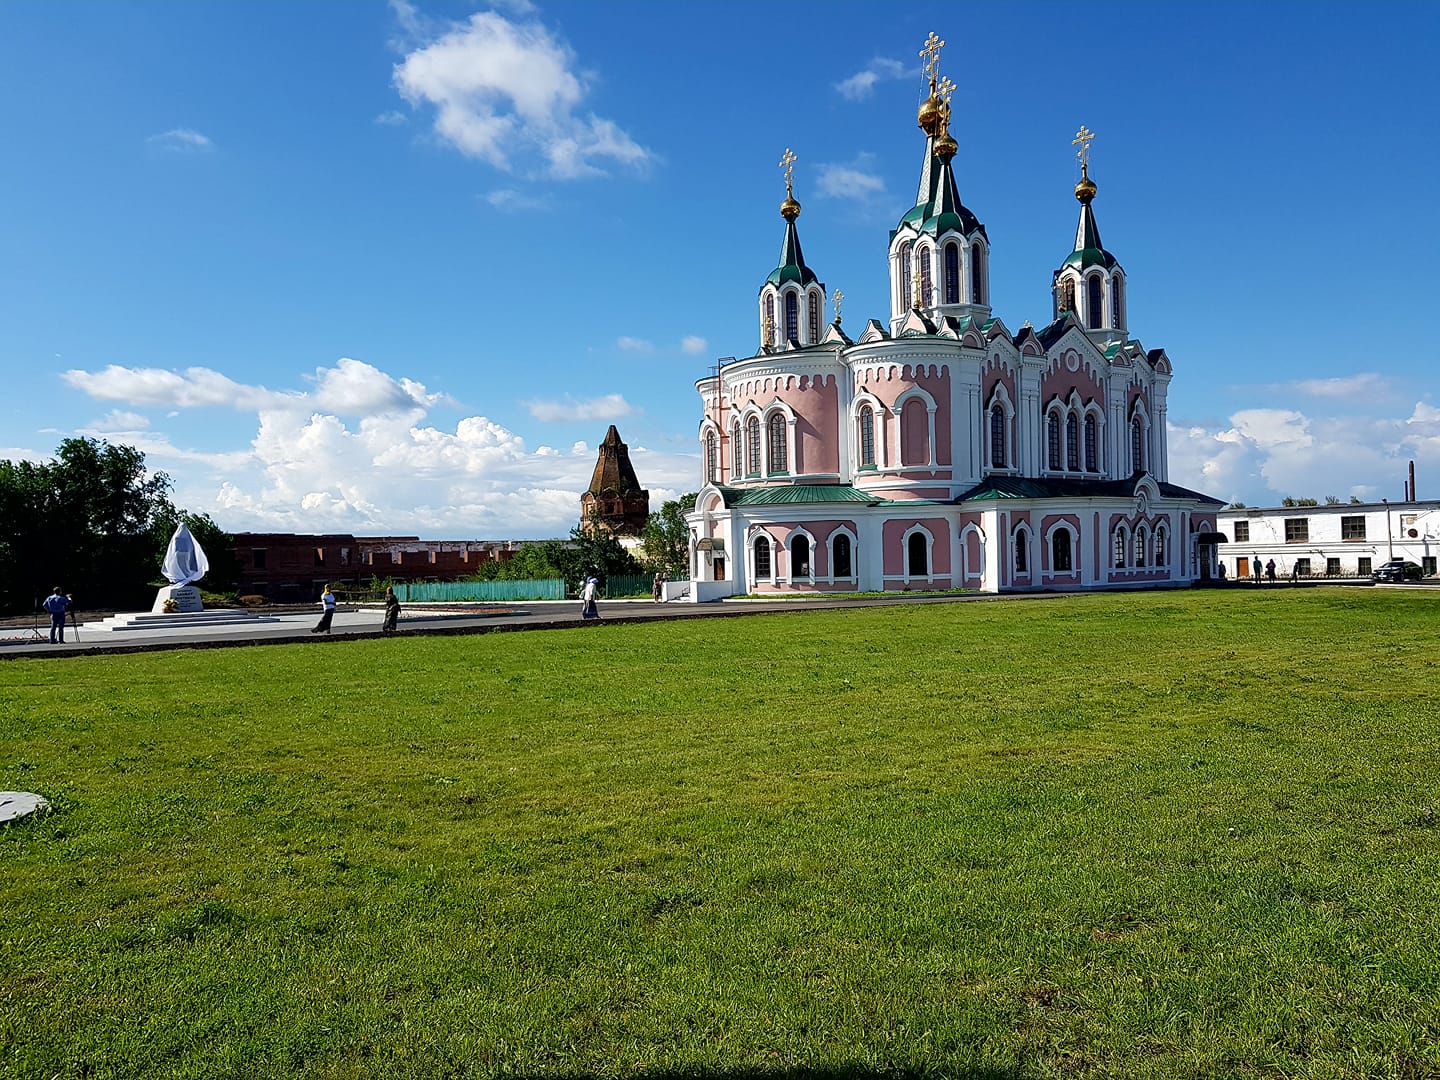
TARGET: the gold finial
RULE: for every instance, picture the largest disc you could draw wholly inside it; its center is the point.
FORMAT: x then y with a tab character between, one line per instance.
838	297
931	55
944	143
919	294
789	209
769	331
1085	189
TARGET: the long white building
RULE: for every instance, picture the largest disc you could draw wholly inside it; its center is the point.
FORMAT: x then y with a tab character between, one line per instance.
1343	540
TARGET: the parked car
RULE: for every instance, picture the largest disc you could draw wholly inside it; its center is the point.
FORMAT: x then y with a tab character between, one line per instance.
1397	570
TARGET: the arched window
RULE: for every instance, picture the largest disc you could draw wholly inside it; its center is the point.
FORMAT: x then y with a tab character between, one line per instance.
799	557
1117	303
1121	545
1092	445
752	447
906	296
997	436
1142	543
1072	443
1021	547
1065	296
814	317
762	558
840	565
768	331
1060	550
1137	445
1159	545
952	273
977	274
914	433
792	316
1094	303
926	296
1052	441
712	457
778	458
919	555
867	435
737	457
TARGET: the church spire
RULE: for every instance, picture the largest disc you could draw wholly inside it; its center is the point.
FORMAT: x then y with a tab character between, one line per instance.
1091	283
792	298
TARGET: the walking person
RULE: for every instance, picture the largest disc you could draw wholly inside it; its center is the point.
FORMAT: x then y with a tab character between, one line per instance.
588	609
1270	571
392	610
327	602
657	591
57	604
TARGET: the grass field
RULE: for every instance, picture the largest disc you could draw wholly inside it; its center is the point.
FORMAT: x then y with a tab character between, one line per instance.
1181	835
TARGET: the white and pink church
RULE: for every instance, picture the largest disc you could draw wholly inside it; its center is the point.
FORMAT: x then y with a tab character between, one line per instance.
940	450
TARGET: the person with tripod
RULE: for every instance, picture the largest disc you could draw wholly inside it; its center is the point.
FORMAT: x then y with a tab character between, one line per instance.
57	604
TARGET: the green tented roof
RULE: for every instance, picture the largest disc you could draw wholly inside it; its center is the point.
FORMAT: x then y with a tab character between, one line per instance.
792	261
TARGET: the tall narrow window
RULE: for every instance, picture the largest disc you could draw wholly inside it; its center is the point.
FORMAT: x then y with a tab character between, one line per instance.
762	558
752	447
1137	446
1060	550
1117	301
1142	543
1072	443
814	317
840	565
792	316
1120	546
1052	441
1021	557
737	452
926	296
799	557
767	334
1092	445
952	273
906	296
1160	545
1094	303
712	457
997	436
778	459
919	557
867	435
977	274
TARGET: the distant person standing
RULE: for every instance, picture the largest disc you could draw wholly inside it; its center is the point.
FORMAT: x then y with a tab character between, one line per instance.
588	610
1270	571
1255	562
327	602
57	604
657	591
392	610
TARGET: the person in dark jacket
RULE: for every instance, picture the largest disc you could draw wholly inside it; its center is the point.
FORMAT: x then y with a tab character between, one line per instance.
392	610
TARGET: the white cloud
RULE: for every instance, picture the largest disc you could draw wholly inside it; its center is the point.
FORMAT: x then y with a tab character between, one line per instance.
861	85
181	139
504	89
857	181
632	344
609	407
120	420
1367	385
512	201
692	345
392	118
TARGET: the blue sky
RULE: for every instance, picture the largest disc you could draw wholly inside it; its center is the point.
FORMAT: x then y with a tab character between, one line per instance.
396	267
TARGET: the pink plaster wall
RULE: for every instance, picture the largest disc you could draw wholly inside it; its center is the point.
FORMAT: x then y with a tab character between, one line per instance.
816	402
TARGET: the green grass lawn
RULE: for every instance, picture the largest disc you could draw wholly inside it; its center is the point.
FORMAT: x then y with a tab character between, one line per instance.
1189	834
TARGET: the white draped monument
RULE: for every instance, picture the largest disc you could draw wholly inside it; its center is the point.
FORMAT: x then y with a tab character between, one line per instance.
184	564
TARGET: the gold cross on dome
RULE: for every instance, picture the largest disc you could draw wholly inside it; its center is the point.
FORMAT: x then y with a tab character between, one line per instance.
931	54
945	89
838	297
1082	140
788	164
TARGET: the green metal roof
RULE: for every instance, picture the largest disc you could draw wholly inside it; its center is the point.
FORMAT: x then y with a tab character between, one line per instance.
796	493
792	261
1089	251
940	209
1025	487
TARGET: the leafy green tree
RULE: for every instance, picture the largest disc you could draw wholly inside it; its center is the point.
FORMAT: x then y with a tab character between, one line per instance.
666	540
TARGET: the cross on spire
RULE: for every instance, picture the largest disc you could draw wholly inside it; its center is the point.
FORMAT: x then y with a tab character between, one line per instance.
788	164
837	296
931	55
1082	140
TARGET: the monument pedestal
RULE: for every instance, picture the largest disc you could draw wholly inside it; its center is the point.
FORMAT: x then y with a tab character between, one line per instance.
186	597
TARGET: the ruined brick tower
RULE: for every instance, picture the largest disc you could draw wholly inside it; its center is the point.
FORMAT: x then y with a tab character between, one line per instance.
615	501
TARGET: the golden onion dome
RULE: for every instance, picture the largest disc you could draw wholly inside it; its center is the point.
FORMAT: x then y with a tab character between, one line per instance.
932	111
1085	189
789	209
945	147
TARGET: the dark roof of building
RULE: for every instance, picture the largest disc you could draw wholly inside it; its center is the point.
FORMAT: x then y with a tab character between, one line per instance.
613	471
1024	487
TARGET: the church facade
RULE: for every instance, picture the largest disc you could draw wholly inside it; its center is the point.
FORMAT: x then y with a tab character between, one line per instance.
939	449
